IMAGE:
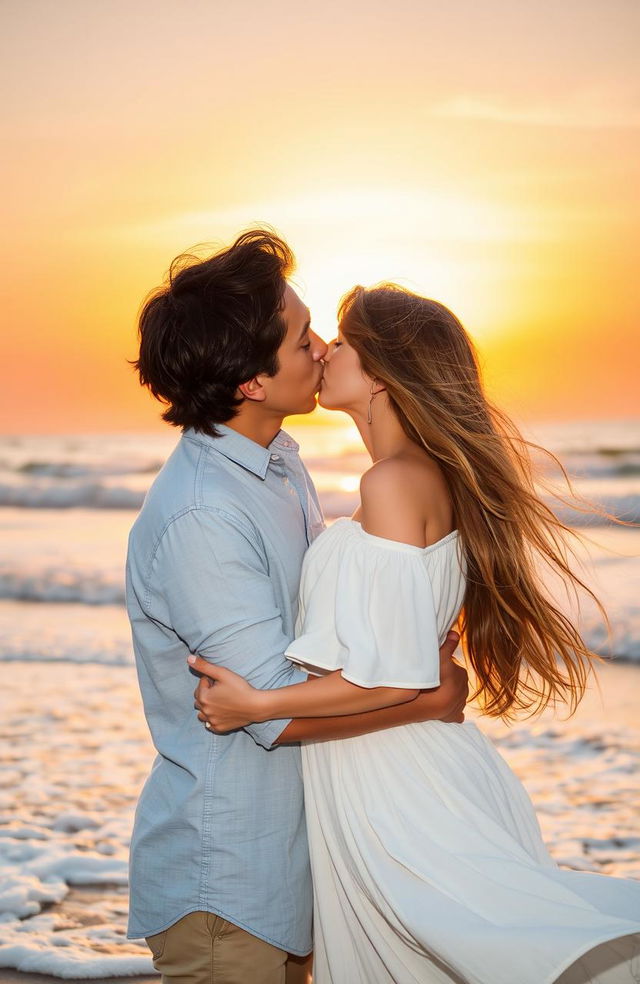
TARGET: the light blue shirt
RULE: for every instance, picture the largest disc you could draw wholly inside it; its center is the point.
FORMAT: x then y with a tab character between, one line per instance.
213	567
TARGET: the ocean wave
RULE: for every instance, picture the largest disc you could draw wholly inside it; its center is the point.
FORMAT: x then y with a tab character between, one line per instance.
605	462
74	469
81	656
335	502
85	621
595	463
53	584
625	507
72	633
68	495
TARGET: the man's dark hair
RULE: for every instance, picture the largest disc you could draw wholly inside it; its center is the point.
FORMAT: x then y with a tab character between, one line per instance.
214	324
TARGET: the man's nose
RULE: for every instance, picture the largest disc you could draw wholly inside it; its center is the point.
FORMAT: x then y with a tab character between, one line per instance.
318	347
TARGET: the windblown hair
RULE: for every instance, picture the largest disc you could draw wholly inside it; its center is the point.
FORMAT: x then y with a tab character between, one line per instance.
214	324
524	651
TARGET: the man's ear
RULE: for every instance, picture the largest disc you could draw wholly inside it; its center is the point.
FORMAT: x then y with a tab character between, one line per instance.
253	390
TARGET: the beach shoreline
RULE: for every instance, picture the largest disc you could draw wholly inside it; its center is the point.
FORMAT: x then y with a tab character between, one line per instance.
17	977
80	752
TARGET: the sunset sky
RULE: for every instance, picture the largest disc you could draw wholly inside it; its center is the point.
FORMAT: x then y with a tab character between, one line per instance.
482	154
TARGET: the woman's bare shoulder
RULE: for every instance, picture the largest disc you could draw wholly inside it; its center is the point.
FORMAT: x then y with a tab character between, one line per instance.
405	498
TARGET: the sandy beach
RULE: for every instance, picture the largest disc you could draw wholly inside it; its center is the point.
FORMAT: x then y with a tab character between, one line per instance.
79	752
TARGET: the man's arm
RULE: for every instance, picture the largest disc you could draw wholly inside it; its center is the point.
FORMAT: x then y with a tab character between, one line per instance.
211	586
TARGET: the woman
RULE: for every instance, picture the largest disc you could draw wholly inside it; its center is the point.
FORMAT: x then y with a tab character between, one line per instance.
427	858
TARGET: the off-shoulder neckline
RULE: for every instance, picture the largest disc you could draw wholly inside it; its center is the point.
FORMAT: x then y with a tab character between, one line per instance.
400	544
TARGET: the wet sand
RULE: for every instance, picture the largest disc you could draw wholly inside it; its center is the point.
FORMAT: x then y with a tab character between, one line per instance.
78	752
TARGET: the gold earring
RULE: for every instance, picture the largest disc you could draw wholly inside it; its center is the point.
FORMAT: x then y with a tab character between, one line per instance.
373	396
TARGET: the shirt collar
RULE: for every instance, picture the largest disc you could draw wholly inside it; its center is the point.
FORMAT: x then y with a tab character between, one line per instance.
242	450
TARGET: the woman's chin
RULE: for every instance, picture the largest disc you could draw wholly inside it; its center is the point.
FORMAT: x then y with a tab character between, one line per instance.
325	401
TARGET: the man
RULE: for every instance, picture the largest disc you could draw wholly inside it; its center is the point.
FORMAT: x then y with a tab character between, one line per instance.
219	874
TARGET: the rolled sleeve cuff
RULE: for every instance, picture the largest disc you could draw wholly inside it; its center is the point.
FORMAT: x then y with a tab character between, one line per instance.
266	733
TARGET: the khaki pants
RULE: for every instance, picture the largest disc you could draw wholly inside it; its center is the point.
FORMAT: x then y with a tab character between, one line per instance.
202	948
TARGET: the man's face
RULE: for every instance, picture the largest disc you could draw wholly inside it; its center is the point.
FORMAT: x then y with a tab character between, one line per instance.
294	387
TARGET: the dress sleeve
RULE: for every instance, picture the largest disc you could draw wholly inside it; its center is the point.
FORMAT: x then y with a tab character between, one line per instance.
385	621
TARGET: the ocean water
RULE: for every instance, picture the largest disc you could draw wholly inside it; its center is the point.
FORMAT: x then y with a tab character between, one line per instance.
76	748
67	503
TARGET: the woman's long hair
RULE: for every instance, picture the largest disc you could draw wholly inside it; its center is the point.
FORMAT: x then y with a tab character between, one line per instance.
524	651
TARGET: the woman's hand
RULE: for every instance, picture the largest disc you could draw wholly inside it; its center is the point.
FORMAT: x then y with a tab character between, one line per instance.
454	682
224	700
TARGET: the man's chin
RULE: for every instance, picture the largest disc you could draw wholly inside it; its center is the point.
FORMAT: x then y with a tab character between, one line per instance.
308	408
314	400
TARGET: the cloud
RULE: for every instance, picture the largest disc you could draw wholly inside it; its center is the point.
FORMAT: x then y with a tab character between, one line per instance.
587	109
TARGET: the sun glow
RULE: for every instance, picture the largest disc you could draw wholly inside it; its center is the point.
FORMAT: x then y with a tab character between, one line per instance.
437	244
459	170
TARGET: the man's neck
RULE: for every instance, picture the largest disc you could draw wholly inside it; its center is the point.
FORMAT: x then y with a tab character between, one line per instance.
261	430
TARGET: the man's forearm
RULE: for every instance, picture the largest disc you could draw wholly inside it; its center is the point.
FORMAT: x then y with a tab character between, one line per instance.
428	705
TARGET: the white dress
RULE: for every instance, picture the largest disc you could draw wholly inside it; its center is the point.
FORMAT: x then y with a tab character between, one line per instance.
427	858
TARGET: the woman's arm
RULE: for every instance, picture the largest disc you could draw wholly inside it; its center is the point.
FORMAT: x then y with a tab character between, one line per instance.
444	703
230	702
328	696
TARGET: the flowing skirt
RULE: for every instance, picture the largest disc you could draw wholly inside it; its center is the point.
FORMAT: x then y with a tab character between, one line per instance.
429	866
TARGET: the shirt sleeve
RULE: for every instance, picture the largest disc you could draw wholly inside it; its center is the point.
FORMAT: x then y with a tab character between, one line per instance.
386	624
211	584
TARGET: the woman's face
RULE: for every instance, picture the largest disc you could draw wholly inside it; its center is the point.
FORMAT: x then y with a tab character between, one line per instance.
345	385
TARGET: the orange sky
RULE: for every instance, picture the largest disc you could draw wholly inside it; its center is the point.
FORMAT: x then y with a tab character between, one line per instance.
485	155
